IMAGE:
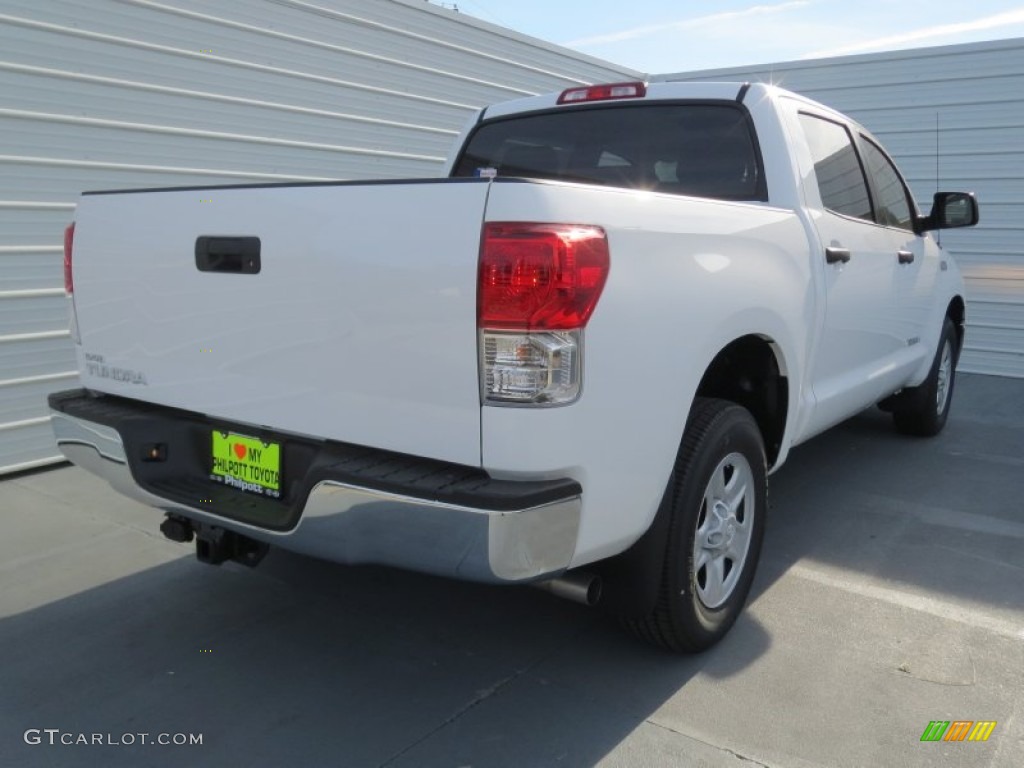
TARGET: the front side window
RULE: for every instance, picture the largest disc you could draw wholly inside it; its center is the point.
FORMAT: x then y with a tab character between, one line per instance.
838	171
705	150
893	206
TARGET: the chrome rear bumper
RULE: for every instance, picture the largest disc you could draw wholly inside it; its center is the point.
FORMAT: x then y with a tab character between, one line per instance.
346	523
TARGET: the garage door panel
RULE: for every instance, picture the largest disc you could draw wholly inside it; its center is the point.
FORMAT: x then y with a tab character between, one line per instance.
33	314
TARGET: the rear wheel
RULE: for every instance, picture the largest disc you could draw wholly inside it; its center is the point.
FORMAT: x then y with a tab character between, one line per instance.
718	496
923	410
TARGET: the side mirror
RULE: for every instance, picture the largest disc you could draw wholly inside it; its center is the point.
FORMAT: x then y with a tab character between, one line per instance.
950	210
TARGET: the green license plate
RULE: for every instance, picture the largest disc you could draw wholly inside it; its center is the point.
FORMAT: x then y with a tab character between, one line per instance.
246	463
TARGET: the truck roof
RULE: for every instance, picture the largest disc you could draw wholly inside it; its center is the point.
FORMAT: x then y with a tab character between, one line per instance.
665	90
654	91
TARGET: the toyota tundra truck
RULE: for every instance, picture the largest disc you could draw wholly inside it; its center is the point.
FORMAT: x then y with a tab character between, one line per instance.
571	362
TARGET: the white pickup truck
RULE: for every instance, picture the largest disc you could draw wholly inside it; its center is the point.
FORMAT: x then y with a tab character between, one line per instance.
573	362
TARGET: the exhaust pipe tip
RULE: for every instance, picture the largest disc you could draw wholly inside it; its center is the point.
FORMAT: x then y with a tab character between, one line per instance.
584	588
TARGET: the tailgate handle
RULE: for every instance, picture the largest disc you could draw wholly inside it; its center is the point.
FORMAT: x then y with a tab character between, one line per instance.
234	255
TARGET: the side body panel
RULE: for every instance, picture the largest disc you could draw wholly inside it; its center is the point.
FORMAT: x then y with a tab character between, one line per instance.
688	276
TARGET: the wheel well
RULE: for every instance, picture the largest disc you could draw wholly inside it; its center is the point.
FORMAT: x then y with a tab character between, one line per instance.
747	373
957	313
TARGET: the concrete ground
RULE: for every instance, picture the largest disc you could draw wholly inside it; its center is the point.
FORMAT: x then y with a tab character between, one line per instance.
890	594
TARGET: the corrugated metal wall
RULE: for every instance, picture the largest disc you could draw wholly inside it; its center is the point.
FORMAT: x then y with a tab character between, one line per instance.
977	91
118	93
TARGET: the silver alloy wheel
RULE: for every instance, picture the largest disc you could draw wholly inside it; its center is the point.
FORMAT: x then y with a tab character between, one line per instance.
945	375
724	528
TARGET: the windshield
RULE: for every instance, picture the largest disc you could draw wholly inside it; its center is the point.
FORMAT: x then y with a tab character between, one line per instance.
705	150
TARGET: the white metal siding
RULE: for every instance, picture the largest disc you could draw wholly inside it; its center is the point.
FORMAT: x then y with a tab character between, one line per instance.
125	93
977	91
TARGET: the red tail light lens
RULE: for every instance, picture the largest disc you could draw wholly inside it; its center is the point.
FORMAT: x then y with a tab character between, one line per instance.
69	243
544	277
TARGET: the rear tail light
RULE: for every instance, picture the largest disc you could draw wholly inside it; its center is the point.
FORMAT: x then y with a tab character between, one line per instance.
603	92
540	276
538	285
531	368
69	283
69	242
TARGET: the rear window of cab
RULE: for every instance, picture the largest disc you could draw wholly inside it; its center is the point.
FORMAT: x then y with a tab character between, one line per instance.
702	150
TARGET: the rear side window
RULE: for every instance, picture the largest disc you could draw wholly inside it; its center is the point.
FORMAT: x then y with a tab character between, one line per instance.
840	177
894	205
705	150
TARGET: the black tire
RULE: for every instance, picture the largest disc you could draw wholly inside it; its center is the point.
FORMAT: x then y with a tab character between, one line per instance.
923	410
721	442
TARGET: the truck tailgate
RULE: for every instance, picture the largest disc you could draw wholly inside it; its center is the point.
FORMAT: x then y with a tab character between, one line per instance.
359	326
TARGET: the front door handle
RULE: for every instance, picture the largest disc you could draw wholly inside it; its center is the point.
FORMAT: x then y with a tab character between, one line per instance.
837	255
905	257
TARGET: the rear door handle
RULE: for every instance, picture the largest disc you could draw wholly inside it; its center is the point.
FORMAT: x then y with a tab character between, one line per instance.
905	257
837	255
233	255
